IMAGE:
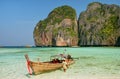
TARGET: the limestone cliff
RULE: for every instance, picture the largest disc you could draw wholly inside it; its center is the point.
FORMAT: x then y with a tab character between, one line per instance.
99	25
58	29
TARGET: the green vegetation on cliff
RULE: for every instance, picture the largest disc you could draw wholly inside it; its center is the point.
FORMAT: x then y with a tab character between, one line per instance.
58	14
110	26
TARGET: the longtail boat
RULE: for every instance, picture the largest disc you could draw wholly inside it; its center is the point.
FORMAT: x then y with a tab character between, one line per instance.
42	67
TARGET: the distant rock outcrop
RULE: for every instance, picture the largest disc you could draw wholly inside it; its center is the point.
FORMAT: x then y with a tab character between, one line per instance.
58	29
99	25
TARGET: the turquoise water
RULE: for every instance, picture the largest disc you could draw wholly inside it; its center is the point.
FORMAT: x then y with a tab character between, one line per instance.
95	61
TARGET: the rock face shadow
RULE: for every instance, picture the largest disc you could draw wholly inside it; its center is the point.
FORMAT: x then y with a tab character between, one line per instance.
118	41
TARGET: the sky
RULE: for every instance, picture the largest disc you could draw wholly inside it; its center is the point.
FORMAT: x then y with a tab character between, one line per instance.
18	18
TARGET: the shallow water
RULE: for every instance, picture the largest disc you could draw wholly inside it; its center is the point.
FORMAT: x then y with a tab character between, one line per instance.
93	61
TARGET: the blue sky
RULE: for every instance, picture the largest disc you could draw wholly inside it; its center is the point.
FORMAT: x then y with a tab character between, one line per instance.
19	17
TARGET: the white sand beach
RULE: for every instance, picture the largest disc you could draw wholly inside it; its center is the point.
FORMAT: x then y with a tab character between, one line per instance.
70	76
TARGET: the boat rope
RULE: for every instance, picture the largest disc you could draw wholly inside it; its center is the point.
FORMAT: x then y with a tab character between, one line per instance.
28	67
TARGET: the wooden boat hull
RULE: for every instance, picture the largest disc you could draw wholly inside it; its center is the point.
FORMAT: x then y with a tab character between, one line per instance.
39	68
